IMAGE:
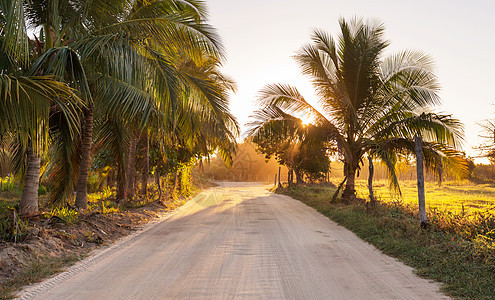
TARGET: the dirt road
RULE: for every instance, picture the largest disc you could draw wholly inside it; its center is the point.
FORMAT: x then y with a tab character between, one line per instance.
238	241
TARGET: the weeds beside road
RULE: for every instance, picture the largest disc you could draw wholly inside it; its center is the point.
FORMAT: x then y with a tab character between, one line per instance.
457	249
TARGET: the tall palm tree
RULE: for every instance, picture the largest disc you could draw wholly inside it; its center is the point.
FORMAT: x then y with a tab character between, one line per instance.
370	104
121	57
28	101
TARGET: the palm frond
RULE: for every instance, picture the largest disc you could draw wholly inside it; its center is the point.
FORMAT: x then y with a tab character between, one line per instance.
26	100
15	39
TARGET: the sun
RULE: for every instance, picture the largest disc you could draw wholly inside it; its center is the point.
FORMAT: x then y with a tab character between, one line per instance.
306	120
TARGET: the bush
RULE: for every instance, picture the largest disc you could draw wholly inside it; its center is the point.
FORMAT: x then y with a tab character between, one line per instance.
66	214
42	190
105	206
93	183
7	184
12	228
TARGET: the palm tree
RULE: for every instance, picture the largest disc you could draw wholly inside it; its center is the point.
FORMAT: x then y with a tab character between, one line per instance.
28	101
121	56
369	104
201	122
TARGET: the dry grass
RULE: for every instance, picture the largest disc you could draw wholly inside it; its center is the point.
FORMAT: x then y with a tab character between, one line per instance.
456	197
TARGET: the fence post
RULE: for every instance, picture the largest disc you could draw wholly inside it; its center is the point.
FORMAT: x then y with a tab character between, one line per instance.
418	145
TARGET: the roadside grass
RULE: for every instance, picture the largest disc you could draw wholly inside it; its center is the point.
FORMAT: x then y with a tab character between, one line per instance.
464	260
37	271
454	196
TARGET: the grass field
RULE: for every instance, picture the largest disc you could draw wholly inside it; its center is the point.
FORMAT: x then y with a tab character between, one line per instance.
450	196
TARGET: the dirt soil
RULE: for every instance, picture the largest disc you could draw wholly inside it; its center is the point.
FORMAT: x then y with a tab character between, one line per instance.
239	241
56	239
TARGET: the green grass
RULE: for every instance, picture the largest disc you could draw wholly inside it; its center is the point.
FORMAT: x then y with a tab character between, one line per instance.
449	257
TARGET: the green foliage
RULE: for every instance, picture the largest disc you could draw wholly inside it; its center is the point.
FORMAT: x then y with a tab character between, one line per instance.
93	183
128	65
42	190
186	185
8	184
105	206
66	214
12	228
102	159
293	144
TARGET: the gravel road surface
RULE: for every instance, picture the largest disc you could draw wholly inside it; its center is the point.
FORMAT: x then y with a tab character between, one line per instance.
238	241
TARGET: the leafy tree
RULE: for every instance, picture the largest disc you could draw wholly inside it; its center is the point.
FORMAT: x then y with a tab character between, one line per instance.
292	143
487	148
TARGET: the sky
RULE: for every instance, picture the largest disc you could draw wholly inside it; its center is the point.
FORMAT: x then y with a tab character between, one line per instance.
260	38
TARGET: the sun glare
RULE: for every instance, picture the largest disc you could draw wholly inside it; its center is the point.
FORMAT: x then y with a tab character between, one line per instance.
306	120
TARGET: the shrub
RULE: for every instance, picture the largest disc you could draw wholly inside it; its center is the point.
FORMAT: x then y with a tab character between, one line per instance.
12	228
68	215
105	206
93	183
7	184
42	190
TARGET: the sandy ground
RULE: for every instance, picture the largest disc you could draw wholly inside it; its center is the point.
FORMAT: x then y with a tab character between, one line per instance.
238	241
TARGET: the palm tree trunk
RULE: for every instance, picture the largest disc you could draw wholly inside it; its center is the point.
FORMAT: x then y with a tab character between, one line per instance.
370	182
29	198
349	193
87	137
418	143
146	164
131	167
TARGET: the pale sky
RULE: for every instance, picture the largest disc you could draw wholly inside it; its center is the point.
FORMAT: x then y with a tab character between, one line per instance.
261	36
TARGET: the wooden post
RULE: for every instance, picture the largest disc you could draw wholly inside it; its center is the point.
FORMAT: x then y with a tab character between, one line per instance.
418	143
279	184
370	181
